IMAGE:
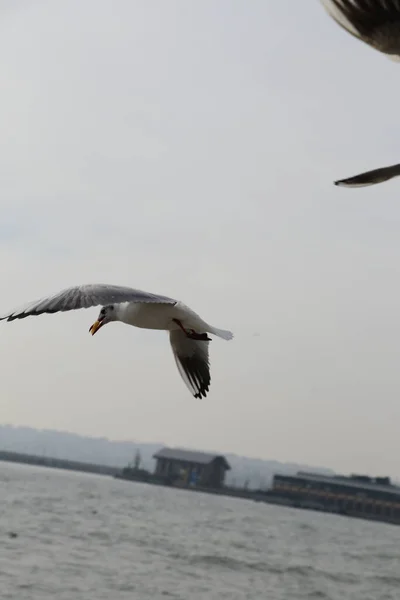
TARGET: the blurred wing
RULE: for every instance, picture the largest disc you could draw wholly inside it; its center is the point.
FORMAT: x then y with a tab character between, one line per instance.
375	22
370	177
191	357
339	13
85	296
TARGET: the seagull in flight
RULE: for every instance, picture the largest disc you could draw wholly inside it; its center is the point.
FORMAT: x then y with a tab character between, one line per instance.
370	177
375	22
187	330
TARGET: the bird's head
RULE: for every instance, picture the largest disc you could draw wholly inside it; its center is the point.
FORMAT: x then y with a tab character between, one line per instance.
106	315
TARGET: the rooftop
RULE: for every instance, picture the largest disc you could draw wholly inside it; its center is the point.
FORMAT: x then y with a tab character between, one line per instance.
190	456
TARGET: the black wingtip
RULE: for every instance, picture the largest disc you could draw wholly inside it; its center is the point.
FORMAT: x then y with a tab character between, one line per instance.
345	183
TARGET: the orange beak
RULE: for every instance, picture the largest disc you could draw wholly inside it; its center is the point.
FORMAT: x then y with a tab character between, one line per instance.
95	327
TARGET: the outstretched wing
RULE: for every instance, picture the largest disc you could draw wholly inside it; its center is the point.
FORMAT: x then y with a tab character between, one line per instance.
85	296
340	13
370	177
191	357
375	22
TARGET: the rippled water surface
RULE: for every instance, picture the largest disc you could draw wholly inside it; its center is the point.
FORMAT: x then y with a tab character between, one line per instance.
85	537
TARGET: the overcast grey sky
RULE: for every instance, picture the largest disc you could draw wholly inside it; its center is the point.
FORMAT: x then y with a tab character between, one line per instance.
189	149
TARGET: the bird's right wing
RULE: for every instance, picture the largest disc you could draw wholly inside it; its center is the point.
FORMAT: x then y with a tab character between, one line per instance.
191	357
370	177
86	296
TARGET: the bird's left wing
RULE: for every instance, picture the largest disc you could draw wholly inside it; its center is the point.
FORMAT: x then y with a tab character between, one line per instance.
86	296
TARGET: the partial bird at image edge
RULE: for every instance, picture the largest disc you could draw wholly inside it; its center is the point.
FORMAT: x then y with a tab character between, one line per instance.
376	23
370	177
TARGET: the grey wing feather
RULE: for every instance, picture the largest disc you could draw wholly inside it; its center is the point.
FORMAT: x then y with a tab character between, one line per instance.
86	296
370	177
192	360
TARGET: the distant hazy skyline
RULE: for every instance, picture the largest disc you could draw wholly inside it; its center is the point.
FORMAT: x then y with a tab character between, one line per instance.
189	149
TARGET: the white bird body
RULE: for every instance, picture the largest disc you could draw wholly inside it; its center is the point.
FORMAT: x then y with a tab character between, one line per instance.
161	316
188	332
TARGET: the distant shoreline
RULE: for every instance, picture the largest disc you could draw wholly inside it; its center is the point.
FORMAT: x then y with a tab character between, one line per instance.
56	463
267	497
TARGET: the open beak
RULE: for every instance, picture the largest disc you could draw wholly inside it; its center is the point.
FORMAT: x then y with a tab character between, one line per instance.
96	326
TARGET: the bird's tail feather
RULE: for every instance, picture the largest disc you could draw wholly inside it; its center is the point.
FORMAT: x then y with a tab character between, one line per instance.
222	333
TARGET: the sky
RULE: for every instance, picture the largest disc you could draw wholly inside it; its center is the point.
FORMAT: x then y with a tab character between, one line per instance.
189	149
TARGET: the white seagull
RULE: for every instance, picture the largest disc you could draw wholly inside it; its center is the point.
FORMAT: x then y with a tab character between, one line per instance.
187	331
374	22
